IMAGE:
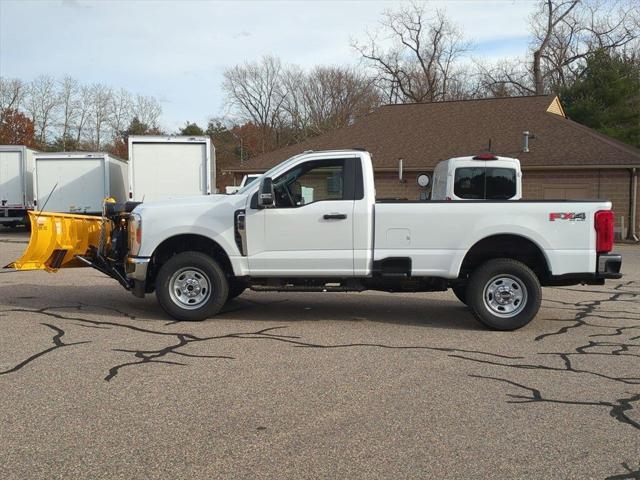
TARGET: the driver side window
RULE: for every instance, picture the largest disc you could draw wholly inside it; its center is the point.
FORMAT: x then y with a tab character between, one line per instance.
310	182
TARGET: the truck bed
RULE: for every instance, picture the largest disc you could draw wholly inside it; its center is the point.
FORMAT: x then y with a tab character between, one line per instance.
436	235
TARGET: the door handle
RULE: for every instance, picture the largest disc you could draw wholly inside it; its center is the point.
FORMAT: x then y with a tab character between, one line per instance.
334	216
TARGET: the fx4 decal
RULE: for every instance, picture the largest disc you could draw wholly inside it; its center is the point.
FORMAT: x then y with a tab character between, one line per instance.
571	216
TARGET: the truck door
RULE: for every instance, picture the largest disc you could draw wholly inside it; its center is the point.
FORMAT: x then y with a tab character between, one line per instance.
309	231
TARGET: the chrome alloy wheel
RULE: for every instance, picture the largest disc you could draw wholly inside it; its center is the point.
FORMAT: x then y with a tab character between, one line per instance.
505	296
189	288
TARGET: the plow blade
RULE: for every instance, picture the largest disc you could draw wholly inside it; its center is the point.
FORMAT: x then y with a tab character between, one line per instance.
56	239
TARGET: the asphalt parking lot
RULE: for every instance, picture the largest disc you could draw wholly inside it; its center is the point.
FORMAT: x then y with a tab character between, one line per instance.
95	383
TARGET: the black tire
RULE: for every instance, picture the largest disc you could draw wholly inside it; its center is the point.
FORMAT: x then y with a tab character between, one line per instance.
494	289
460	291
209	287
236	287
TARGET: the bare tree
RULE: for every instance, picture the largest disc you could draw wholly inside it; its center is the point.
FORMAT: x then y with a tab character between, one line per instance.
12	92
69	89
120	111
83	112
256	92
565	33
147	110
328	98
506	78
42	102
99	113
423	57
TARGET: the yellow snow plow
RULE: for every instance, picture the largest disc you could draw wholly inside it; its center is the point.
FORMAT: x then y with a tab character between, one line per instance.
58	239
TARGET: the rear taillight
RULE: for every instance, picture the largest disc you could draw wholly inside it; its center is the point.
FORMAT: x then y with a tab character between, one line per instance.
130	195
603	222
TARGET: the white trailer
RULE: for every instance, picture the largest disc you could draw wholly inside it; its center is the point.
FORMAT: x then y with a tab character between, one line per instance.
16	183
163	167
78	182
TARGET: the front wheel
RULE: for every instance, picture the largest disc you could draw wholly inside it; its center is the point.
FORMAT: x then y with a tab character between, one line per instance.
460	291
191	286
236	287
504	294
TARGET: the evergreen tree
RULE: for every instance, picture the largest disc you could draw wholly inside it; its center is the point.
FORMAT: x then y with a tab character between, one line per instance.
607	97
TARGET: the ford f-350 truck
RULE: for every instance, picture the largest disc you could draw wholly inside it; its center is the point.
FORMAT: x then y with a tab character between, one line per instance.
312	223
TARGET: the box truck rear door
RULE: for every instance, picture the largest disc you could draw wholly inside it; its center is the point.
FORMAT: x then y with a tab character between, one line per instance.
168	170
11	181
80	184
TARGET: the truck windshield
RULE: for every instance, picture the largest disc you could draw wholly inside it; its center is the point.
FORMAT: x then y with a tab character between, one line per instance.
480	183
268	173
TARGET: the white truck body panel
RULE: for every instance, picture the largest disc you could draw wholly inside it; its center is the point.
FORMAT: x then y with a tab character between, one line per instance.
170	167
435	235
79	181
16	180
444	175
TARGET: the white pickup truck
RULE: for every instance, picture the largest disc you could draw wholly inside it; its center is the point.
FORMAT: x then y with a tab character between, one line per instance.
312	223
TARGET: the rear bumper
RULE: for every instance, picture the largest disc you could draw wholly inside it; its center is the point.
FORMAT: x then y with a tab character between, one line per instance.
608	267
12	215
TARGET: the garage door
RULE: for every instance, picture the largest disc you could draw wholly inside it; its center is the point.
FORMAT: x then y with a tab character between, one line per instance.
574	192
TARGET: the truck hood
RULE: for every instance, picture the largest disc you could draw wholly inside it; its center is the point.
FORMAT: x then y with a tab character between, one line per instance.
183	202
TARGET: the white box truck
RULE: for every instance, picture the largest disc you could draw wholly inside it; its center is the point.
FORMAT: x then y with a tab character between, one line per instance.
78	182
16	184
163	167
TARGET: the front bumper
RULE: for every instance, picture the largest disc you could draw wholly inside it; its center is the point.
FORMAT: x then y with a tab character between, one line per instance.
136	268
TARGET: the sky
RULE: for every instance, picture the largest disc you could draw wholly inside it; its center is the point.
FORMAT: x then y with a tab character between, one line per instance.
177	50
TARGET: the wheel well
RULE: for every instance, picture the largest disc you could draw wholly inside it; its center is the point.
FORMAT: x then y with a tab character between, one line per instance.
187	243
505	246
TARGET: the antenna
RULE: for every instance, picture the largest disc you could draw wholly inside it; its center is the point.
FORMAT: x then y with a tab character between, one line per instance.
46	201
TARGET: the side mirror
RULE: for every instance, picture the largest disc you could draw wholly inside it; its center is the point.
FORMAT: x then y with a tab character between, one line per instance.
266	196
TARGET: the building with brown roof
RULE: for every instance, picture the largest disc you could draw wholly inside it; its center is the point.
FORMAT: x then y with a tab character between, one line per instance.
564	160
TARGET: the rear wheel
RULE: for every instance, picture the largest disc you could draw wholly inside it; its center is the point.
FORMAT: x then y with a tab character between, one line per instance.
504	294
191	286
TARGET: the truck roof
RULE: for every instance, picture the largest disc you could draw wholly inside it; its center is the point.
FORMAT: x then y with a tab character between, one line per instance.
167	138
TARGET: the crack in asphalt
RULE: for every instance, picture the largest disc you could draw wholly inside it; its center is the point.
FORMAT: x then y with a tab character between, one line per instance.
630	474
617	410
588	308
613	341
185	339
57	343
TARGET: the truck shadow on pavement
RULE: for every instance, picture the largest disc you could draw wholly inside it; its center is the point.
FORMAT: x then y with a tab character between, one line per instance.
262	307
596	340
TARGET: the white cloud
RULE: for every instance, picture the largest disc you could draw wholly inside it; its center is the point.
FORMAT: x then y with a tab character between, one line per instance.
177	51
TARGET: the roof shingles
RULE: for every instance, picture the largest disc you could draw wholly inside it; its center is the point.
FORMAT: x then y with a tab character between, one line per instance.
425	133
